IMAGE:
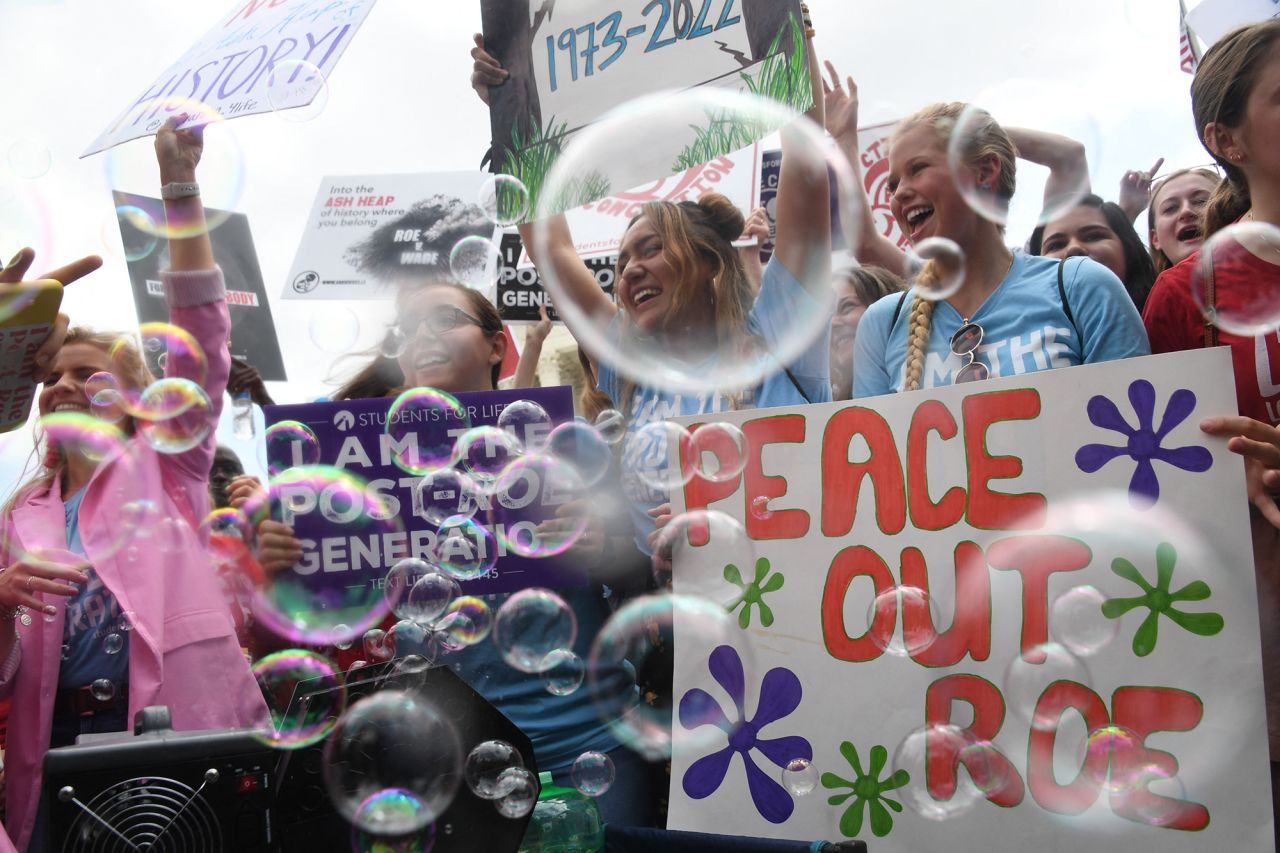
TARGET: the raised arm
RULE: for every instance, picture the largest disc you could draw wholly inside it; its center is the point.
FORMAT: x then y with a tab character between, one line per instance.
1135	190
1065	158
194	287
803	240
842	123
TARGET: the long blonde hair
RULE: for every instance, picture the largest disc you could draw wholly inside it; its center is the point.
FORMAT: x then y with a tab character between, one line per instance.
132	375
984	137
1220	95
697	241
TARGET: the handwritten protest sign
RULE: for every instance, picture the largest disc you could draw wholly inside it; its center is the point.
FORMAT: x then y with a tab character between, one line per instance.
573	61
1065	578
370	231
598	228
1213	19
265	55
253	332
353	436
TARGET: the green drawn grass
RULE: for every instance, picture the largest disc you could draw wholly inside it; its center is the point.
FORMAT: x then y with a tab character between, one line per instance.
531	160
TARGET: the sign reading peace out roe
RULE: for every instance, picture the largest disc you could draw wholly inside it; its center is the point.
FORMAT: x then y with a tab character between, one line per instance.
1052	570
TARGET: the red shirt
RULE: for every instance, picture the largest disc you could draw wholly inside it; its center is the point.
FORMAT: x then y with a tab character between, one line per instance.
1174	323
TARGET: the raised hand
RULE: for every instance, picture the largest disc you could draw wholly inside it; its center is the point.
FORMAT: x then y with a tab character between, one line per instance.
64	275
1135	189
55	573
245	377
178	151
1259	444
486	71
841	105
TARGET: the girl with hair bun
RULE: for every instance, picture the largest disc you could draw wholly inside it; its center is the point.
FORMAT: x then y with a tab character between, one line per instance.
1012	313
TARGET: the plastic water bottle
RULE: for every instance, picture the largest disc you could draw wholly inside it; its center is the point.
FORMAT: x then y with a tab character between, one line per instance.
242	416
564	821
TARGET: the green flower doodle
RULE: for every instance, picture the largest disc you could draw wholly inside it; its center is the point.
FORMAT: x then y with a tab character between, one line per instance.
867	790
1159	600
754	592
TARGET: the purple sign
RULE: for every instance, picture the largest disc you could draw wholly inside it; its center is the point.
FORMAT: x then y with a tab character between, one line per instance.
353	435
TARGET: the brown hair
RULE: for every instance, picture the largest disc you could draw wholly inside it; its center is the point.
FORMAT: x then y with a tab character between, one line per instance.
871	283
984	138
382	376
1159	259
697	241
593	400
1219	95
131	373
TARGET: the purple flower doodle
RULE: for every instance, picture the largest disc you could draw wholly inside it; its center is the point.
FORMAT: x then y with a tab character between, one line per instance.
1143	444
779	695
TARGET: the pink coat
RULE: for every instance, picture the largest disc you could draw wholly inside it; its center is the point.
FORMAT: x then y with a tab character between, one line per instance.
183	650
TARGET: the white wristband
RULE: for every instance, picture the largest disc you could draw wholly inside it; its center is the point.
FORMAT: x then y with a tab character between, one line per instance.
175	190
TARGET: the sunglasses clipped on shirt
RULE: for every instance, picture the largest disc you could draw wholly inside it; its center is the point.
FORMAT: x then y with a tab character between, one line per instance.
437	321
965	343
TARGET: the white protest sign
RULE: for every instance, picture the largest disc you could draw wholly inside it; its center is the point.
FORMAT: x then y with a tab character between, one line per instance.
265	55
573	61
369	231
1101	675
1213	19
874	163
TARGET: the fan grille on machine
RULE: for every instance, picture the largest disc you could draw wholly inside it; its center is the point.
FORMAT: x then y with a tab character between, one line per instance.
149	814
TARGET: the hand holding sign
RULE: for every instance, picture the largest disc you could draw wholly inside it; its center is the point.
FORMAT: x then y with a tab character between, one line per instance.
1259	444
14	273
487	71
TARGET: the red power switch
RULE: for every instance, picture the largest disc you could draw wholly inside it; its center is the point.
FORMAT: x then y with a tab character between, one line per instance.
248	782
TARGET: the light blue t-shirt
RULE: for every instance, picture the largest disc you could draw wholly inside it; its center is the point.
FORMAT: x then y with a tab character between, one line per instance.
1024	323
93	623
782	303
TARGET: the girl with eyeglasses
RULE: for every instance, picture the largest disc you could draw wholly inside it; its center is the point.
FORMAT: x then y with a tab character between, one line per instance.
1013	313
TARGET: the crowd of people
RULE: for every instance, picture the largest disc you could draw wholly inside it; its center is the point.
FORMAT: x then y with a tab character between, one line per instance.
1086	288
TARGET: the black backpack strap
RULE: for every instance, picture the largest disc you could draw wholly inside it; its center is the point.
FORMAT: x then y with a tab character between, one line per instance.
796	382
1066	305
897	309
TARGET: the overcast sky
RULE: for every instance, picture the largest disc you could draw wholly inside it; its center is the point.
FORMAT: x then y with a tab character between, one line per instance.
399	101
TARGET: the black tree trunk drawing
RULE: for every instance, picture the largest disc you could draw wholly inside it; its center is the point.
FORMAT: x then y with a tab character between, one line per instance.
514	106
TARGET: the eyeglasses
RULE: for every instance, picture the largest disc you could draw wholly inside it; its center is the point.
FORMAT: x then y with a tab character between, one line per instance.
438	321
965	343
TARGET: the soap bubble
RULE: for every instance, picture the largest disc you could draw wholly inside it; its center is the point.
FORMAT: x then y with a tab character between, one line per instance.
112	644
504	200
1044	104
421	841
909	763
717	452
465	549
593	773
107	400
611	425
298	720
909	606
530	625
176	350
521	792
1076	620
418	425
645	456
103	689
702	535
303	602
393	763
1231	283
484	451
562	672
84	435
1030	673
290	443
538	506
334	329
800	777
429	597
528	422
136	230
631	661
30	159
948	268
476	262
175	415
485	766
468	620
297	90
378	645
445	493
581	445
402	578
648	344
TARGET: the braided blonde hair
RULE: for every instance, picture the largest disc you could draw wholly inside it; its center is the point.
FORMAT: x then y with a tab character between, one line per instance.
984	138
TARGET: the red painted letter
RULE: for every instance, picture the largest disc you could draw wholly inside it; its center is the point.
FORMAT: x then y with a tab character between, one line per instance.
989	510
1143	710
1082	792
779	523
931	416
990	770
849	564
842	479
1035	558
970	631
